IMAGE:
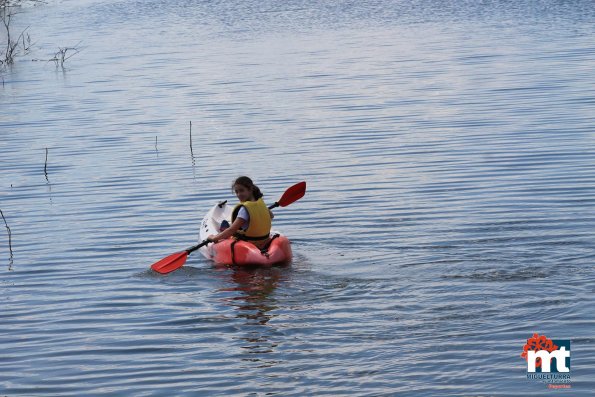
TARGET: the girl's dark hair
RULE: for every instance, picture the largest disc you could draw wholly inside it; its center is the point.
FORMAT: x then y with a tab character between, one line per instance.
248	184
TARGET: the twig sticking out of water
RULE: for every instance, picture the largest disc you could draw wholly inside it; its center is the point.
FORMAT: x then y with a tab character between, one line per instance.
9	235
191	140
45	167
156	144
12	46
192	153
62	55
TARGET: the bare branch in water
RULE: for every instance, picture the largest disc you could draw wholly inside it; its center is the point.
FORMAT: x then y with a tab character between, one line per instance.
63	55
191	153
11	47
9	236
45	167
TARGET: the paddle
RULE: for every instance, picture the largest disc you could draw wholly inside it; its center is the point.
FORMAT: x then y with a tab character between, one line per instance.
177	259
291	195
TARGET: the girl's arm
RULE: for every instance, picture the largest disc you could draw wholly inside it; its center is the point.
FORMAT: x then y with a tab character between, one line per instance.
230	231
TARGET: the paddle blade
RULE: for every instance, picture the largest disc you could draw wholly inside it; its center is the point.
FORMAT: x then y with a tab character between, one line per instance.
170	263
292	194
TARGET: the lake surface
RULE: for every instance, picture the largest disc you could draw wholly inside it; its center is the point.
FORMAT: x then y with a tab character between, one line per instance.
449	151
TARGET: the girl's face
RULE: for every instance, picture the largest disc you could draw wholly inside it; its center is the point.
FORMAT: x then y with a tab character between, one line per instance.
242	192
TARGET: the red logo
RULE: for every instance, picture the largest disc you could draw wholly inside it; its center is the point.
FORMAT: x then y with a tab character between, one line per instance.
537	343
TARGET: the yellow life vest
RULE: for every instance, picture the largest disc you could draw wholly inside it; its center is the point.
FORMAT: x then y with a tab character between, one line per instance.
260	220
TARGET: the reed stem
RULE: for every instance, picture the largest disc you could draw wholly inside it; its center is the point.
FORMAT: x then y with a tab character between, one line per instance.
9	235
191	152
45	167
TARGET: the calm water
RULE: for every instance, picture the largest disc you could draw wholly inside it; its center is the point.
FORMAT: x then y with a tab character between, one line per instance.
449	150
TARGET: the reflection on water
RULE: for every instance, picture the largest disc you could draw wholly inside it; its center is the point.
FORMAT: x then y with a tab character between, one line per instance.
255	305
255	286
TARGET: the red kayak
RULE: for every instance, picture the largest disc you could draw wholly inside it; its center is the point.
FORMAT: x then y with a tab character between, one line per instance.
229	251
242	253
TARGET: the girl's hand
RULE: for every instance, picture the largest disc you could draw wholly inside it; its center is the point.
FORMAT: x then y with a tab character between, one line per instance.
235	226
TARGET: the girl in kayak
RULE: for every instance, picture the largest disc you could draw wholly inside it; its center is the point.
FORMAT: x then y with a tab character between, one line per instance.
251	218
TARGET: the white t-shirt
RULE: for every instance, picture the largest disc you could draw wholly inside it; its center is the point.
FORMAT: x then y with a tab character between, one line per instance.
243	213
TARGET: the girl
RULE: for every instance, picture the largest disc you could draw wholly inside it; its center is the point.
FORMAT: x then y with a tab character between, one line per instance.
251	218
